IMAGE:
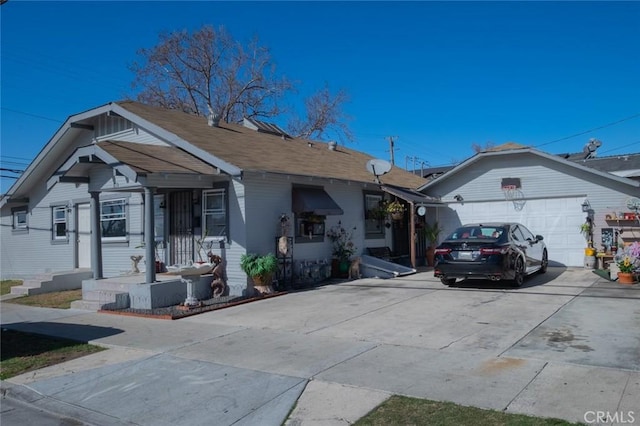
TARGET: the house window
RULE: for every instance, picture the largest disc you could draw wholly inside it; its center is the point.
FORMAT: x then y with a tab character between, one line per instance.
20	219
59	222
113	219
374	215
214	213
309	228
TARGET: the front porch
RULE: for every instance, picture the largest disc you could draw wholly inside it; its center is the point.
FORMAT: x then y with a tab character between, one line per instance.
131	291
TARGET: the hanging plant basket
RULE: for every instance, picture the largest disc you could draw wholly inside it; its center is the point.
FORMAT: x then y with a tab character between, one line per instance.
397	215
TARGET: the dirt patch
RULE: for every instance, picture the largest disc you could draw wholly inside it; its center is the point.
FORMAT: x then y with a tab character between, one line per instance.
498	365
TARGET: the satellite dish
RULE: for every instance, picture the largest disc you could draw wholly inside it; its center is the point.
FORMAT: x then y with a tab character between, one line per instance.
378	167
633	203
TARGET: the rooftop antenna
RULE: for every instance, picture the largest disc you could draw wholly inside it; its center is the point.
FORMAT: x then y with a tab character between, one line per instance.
591	147
378	167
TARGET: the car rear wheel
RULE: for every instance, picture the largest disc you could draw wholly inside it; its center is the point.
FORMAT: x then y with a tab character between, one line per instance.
448	281
519	272
545	262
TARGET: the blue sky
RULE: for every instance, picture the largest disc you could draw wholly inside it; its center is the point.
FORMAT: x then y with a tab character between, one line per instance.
437	76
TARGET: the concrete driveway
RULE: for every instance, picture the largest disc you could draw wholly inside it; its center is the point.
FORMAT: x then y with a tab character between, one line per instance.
564	345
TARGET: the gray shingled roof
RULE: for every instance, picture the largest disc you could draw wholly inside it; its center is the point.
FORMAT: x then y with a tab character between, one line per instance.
614	163
144	159
611	164
251	150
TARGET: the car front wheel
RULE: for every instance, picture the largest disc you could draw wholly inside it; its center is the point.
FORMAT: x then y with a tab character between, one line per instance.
545	262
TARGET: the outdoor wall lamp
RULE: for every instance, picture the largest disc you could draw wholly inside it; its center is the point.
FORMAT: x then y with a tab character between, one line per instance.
586	206
458	198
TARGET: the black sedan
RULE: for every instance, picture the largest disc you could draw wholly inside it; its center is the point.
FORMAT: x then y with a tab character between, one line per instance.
490	251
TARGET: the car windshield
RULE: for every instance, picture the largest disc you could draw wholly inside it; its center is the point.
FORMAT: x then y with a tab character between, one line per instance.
476	232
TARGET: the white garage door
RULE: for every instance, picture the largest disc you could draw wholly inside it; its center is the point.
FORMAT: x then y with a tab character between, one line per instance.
558	220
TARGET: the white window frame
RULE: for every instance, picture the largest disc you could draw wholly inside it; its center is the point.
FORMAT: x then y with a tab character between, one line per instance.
55	221
17	224
207	214
374	228
104	217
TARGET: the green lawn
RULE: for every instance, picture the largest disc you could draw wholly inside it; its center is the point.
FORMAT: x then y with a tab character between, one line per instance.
400	411
23	352
5	286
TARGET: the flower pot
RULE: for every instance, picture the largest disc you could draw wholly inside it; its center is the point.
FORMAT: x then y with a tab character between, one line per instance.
431	255
397	215
626	278
339	268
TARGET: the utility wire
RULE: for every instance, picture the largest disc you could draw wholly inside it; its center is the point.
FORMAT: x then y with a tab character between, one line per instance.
15	158
589	131
32	115
619	147
11	170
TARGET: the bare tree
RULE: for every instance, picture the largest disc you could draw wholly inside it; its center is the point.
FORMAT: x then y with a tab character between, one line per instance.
477	148
210	72
324	114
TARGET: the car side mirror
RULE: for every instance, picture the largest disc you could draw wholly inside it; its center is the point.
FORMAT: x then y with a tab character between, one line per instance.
539	238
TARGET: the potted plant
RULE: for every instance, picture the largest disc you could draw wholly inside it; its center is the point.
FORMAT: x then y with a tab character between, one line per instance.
395	209
342	248
628	262
260	269
585	229
431	233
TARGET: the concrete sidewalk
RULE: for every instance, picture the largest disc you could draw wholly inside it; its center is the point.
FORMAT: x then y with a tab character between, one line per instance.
565	345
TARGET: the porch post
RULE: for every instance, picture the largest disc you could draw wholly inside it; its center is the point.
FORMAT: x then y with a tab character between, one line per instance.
149	235
96	235
412	232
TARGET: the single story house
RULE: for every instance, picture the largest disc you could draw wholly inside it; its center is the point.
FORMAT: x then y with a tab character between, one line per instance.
127	179
552	195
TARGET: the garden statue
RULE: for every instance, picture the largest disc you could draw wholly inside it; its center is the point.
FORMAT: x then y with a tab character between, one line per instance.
135	259
219	283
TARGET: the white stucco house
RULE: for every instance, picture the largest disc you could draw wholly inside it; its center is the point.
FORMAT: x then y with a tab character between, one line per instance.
127	179
550	194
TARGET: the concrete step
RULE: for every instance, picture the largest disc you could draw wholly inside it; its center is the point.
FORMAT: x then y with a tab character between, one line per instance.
87	305
102	299
52	282
21	290
107	284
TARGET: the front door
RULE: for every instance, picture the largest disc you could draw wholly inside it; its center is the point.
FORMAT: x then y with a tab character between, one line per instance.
83	240
400	235
181	227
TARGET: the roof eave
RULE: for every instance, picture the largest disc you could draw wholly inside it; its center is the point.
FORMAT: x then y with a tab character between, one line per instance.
554	158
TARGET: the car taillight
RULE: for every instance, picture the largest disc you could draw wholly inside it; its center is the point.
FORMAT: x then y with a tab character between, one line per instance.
442	251
493	250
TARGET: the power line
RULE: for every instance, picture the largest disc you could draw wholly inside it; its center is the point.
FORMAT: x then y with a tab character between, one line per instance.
15	158
589	131
619	147
11	170
32	115
14	163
